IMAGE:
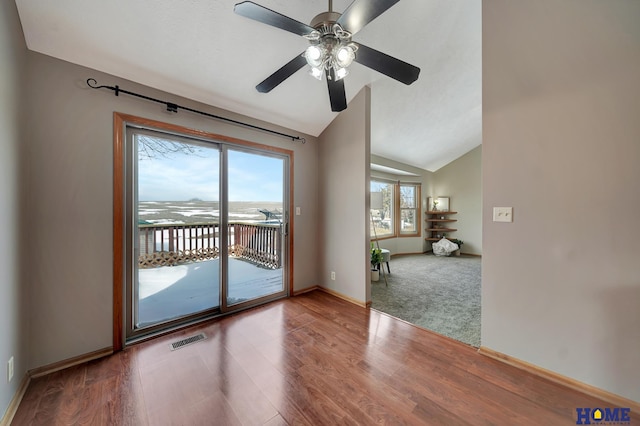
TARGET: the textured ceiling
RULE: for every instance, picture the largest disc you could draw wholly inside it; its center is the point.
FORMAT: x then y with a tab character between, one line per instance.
201	50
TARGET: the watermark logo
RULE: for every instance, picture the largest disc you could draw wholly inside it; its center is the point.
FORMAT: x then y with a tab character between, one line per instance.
603	416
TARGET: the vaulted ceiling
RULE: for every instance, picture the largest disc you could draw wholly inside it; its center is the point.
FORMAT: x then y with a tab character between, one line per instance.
201	50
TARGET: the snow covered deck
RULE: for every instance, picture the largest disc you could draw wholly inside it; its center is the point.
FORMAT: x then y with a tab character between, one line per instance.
169	292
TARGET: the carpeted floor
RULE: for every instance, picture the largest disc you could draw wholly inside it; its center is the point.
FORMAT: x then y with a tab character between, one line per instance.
438	293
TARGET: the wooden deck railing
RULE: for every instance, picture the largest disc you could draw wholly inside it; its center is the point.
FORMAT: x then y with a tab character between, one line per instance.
174	244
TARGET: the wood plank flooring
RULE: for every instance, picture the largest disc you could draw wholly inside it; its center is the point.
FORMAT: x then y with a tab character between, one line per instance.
308	360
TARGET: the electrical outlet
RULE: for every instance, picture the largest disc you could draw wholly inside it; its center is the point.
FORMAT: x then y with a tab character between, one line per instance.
297	211
333	276
503	214
10	370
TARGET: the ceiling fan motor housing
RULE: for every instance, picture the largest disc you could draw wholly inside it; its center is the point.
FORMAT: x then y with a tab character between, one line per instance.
324	21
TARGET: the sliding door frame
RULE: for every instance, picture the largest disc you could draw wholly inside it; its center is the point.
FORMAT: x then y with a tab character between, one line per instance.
120	122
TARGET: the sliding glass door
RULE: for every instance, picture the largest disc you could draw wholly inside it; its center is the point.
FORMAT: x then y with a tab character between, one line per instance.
254	183
206	226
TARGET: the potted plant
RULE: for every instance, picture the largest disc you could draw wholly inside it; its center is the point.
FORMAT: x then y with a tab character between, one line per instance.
459	243
376	258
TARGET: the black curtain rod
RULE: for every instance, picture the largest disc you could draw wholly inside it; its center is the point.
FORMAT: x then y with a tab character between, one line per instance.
171	107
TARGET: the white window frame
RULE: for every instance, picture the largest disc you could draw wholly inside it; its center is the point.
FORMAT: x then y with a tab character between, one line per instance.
416	209
376	185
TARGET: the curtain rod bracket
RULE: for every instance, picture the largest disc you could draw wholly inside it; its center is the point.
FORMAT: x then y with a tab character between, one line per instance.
171	107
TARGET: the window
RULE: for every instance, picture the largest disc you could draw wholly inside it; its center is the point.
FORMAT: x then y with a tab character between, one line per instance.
409	209
400	212
382	221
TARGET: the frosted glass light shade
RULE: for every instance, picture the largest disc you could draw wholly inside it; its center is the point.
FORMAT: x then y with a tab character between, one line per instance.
314	56
345	56
316	72
341	73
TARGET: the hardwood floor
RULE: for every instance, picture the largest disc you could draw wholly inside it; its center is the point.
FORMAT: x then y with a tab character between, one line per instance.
309	360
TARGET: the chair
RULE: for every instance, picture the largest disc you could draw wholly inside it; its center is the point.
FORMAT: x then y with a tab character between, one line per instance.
386	256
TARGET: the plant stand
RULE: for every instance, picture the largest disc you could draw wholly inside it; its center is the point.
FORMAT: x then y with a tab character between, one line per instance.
386	283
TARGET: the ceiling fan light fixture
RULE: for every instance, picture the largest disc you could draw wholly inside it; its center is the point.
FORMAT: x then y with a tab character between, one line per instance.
330	53
313	36
341	73
314	55
345	55
340	33
316	72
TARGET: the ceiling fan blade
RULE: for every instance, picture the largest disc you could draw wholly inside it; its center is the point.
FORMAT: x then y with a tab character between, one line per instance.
387	65
259	13
282	74
336	92
361	12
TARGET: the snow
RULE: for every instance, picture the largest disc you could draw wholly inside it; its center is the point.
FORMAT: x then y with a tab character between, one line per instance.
165	221
199	212
172	291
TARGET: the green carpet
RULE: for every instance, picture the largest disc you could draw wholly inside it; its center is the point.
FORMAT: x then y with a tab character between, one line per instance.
441	294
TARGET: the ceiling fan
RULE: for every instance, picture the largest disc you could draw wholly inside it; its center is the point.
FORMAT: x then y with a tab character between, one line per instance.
331	48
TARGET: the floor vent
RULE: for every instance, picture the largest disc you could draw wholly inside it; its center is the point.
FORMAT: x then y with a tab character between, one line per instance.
189	340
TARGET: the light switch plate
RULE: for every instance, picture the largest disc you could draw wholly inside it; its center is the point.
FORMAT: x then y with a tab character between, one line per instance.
503	214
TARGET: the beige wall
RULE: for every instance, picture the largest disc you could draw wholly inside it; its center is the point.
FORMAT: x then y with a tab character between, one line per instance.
13	318
560	285
561	145
461	180
69	139
344	200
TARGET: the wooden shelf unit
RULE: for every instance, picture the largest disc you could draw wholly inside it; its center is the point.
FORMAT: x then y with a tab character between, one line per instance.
435	224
